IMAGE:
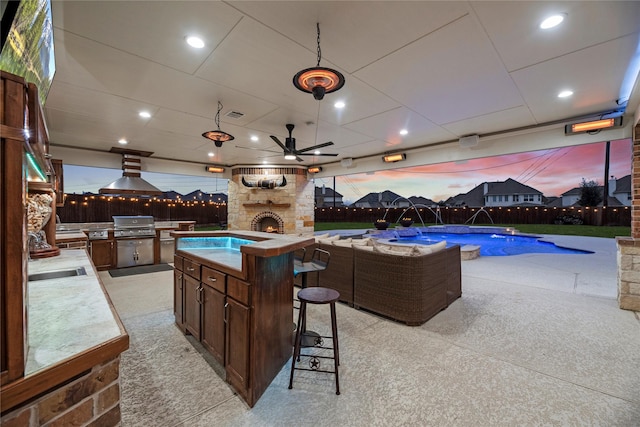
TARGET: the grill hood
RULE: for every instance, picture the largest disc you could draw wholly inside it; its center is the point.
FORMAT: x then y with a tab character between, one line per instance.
131	183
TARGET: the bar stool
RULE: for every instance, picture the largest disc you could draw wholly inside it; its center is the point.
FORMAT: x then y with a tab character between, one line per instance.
316	295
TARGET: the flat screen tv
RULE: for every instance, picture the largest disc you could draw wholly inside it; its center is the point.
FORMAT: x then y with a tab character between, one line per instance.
27	44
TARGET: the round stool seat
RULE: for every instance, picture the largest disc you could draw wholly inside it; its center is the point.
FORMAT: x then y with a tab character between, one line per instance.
318	295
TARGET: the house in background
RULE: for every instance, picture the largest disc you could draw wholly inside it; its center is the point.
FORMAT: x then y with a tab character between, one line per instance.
422	201
619	193
202	196
498	193
327	197
386	199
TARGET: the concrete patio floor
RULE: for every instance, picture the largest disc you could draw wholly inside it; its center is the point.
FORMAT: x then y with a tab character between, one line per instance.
535	340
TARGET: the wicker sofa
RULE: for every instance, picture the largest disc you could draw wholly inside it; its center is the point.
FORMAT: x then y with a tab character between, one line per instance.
406	288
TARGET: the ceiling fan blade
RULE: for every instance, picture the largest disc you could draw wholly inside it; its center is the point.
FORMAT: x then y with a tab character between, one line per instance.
312	154
277	141
314	147
299	159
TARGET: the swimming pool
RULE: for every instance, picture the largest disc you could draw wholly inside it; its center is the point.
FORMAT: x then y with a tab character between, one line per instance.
492	244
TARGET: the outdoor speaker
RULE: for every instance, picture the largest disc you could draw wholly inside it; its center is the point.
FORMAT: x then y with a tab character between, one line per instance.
469	141
346	162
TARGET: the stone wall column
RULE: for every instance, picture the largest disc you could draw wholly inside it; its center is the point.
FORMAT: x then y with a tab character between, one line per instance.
629	247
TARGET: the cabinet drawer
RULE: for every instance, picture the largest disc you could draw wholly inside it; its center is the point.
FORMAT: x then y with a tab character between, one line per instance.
177	262
192	268
214	278
238	290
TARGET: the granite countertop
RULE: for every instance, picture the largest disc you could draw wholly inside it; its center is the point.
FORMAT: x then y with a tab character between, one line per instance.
68	315
70	236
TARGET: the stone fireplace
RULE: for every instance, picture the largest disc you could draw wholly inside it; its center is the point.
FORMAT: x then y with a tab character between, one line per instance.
264	205
269	222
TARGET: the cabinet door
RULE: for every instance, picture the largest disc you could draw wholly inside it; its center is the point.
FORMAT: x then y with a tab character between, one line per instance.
213	322
191	314
178	300
102	254
237	349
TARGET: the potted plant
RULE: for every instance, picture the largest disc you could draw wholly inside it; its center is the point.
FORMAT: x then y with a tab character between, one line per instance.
381	224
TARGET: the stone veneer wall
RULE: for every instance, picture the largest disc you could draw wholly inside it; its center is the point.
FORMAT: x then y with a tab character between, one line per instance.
91	400
245	203
629	247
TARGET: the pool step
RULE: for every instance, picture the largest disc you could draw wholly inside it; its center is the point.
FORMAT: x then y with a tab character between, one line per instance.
469	252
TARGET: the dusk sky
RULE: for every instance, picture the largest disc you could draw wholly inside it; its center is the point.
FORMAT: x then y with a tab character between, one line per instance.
550	171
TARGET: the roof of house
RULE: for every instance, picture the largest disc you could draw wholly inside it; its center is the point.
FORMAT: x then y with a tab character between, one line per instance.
328	192
623	185
376	199
510	186
419	200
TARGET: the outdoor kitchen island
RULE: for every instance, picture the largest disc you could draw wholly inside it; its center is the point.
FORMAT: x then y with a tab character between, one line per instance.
233	291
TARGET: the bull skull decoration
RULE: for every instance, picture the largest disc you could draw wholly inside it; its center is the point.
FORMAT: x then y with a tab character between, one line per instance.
268	184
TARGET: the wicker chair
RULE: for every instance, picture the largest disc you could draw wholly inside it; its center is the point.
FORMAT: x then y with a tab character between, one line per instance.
409	289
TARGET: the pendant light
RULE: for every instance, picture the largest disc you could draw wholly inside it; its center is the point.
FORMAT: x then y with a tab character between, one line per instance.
218	136
318	80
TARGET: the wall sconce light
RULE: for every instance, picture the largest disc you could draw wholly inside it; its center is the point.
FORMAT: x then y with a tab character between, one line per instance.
314	169
392	158
593	125
214	169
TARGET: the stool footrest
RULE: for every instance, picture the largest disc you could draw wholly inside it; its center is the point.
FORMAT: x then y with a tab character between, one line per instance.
314	370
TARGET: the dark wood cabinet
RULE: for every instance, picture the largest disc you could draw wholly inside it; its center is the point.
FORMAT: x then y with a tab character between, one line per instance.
213	326
238	345
178	298
192	294
246	314
102	253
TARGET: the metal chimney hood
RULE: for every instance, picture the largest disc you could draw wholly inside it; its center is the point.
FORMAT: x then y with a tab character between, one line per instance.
131	183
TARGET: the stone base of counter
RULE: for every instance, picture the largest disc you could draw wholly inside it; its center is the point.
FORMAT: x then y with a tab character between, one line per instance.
93	399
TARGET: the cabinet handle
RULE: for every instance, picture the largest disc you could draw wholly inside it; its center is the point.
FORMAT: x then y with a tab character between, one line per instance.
180	277
226	304
190	268
212	279
199	294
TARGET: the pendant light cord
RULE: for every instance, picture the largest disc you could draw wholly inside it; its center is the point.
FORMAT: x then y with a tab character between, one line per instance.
218	114
319	51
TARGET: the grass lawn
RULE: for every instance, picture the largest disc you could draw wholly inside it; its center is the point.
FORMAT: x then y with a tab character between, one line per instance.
570	230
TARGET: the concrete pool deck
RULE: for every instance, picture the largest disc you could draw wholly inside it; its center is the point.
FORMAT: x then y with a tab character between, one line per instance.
585	274
535	340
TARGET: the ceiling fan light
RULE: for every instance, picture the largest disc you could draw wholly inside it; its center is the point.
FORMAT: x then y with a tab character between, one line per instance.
289	157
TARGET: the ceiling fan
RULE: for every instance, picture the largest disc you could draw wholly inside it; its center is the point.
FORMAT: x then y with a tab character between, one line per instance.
289	146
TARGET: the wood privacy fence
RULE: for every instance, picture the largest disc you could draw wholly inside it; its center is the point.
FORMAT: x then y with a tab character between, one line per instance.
88	208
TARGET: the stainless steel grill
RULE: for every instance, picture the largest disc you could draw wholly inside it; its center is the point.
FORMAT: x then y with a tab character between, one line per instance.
134	239
133	227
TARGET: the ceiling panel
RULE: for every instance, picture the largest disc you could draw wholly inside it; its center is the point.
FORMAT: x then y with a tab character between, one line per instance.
443	84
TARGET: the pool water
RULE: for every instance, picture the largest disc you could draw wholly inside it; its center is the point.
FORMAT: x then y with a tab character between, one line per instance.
492	244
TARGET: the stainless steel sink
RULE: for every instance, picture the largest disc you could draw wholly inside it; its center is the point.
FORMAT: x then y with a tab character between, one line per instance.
57	274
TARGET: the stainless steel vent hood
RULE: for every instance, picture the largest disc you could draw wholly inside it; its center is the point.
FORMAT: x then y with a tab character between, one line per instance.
131	183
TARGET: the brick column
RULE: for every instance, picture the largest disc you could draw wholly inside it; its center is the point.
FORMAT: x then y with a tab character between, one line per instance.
629	247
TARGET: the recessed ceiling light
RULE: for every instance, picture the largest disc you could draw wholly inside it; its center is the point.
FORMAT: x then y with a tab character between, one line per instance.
565	93
144	114
254	138
264	162
211	154
404	132
339	104
552	21
316	152
196	42
123	141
